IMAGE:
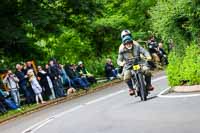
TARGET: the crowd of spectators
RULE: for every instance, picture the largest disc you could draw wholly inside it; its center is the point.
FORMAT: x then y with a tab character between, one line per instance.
36	84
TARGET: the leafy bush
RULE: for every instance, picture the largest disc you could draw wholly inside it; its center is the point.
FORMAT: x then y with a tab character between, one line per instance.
173	69
191	65
186	69
96	66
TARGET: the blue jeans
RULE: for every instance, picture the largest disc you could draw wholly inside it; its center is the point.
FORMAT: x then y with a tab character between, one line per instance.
15	96
114	72
81	82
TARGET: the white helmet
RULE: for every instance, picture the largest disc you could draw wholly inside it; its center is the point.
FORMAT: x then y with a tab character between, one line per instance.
125	33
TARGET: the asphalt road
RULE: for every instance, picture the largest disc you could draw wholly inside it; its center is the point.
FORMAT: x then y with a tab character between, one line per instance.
112	110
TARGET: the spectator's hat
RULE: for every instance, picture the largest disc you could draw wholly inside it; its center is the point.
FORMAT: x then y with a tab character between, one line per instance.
80	62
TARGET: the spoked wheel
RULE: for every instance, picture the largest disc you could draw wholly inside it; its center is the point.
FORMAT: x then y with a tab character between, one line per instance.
143	92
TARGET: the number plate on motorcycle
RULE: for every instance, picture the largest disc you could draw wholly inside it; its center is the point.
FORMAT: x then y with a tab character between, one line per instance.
136	67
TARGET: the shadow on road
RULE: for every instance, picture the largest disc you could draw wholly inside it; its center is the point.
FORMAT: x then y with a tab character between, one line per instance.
148	99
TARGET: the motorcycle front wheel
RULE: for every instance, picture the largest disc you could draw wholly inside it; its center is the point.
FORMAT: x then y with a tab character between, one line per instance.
142	88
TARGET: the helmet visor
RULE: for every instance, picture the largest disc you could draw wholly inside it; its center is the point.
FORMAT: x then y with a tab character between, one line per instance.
126	42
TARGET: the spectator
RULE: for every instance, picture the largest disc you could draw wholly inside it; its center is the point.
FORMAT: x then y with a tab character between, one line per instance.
42	77
65	78
77	80
27	66
35	86
56	79
2	106
162	54
170	45
83	78
83	72
11	81
110	70
23	78
47	70
153	49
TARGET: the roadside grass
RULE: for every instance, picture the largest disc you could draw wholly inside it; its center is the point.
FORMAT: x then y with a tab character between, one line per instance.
22	110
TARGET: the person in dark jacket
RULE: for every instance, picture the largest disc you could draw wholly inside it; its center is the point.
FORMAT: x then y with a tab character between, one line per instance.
56	79
23	81
83	72
78	81
110	70
153	49
42	77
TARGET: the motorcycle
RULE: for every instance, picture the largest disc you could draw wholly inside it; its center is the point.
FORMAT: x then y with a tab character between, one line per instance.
137	78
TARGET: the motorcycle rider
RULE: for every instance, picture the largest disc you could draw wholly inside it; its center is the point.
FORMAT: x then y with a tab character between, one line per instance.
128	51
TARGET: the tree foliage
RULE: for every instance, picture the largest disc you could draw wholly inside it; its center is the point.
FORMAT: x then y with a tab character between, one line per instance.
72	30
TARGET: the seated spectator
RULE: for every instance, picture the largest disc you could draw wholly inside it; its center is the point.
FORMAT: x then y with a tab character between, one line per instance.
79	82
65	78
3	109
67	82
11	81
83	72
110	70
6	102
43	80
35	86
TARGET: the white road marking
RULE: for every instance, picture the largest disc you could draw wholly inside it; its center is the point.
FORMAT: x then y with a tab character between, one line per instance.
105	97
69	111
30	129
39	125
175	96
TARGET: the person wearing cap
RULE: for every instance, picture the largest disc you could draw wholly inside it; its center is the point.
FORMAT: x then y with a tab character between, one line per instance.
83	72
127	53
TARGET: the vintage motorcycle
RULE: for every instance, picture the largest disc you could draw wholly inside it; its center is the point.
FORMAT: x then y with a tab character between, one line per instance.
137	78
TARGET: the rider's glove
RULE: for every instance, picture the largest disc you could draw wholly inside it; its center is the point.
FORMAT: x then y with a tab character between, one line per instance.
148	58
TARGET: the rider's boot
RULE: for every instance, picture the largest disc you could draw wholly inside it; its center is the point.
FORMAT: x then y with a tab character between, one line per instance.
148	83
150	88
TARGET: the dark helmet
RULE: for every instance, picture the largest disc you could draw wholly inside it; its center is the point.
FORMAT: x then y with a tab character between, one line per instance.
127	39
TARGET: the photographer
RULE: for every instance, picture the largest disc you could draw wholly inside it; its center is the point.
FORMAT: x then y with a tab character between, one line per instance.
12	82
